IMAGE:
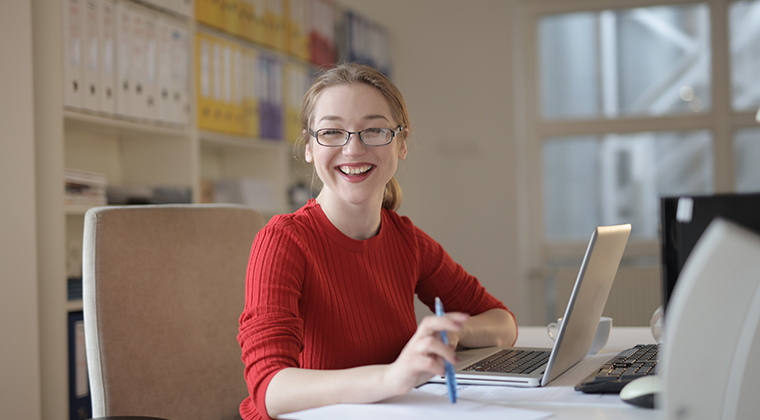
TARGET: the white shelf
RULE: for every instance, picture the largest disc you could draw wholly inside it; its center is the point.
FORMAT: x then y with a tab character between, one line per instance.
76	210
221	139
105	124
74	305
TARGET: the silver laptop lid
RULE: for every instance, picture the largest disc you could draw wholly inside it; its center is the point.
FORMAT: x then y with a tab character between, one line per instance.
588	298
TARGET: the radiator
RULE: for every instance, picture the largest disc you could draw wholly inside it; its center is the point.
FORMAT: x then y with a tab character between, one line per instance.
634	297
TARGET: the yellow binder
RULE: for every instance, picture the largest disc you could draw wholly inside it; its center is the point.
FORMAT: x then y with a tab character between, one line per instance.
258	21
250	101
245	19
237	106
230	16
274	17
225	80
203	11
210	12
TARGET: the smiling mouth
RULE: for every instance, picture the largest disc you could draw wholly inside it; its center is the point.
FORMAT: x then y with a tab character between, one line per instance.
355	170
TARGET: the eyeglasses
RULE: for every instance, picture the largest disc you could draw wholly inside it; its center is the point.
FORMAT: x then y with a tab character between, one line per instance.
335	137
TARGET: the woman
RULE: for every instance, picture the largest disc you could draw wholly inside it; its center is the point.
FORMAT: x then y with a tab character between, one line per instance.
329	314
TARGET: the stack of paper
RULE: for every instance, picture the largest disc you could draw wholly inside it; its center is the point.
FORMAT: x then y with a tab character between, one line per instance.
418	405
84	189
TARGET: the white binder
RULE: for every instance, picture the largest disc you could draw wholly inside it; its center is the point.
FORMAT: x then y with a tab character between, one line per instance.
137	62
172	71
180	60
124	83
73	33
150	69
90	56
164	109
107	56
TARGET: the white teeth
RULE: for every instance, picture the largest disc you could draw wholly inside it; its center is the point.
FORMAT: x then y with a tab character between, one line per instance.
353	170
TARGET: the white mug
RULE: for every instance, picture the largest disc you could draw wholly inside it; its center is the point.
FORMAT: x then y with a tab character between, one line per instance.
601	335
656	323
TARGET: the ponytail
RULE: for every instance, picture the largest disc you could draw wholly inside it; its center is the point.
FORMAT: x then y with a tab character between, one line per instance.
392	195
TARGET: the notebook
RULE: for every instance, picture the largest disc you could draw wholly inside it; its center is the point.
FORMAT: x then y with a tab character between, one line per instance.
539	366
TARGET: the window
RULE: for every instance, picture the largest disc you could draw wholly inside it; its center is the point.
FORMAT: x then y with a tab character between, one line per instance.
625	111
617	178
625	102
744	31
747	158
645	61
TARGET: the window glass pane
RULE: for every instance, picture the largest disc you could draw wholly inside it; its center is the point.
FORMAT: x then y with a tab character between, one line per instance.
744	27
571	196
590	181
569	87
747	157
643	61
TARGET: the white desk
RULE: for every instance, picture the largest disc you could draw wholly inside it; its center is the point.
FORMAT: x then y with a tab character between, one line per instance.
559	397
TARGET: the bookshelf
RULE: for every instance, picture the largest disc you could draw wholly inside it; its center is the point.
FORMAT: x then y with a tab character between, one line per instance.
128	151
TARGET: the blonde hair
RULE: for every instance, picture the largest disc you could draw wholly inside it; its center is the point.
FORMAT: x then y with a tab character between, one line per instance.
350	73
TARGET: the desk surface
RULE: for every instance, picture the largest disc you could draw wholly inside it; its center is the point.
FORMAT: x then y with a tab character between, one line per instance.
559	397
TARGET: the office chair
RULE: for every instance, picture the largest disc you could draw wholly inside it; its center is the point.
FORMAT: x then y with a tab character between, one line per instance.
163	290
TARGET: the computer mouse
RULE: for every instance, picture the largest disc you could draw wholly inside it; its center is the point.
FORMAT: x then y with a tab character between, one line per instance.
643	391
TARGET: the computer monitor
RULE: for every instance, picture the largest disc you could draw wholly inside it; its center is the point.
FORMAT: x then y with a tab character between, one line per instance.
684	218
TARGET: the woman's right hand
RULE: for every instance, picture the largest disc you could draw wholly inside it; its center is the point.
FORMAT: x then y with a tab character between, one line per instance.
424	354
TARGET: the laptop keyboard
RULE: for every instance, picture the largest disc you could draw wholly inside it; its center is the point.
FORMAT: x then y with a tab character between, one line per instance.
640	360
510	361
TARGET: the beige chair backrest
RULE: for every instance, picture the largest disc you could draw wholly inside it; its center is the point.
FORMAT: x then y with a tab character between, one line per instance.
163	290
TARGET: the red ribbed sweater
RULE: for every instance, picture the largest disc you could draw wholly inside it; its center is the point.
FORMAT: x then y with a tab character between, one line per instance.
317	299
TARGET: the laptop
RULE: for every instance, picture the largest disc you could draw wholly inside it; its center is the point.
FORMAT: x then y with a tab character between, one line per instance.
534	367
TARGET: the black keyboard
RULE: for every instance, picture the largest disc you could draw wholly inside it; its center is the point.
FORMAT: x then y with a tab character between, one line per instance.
511	361
640	360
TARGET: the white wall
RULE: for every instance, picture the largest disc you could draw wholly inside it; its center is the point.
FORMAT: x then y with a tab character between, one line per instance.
19	348
453	63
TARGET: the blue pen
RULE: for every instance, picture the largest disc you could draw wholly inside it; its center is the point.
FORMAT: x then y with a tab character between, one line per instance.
451	380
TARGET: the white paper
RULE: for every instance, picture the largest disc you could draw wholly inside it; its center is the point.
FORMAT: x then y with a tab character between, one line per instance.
418	405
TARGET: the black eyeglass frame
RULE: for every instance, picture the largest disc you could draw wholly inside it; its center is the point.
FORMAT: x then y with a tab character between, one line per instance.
394	133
